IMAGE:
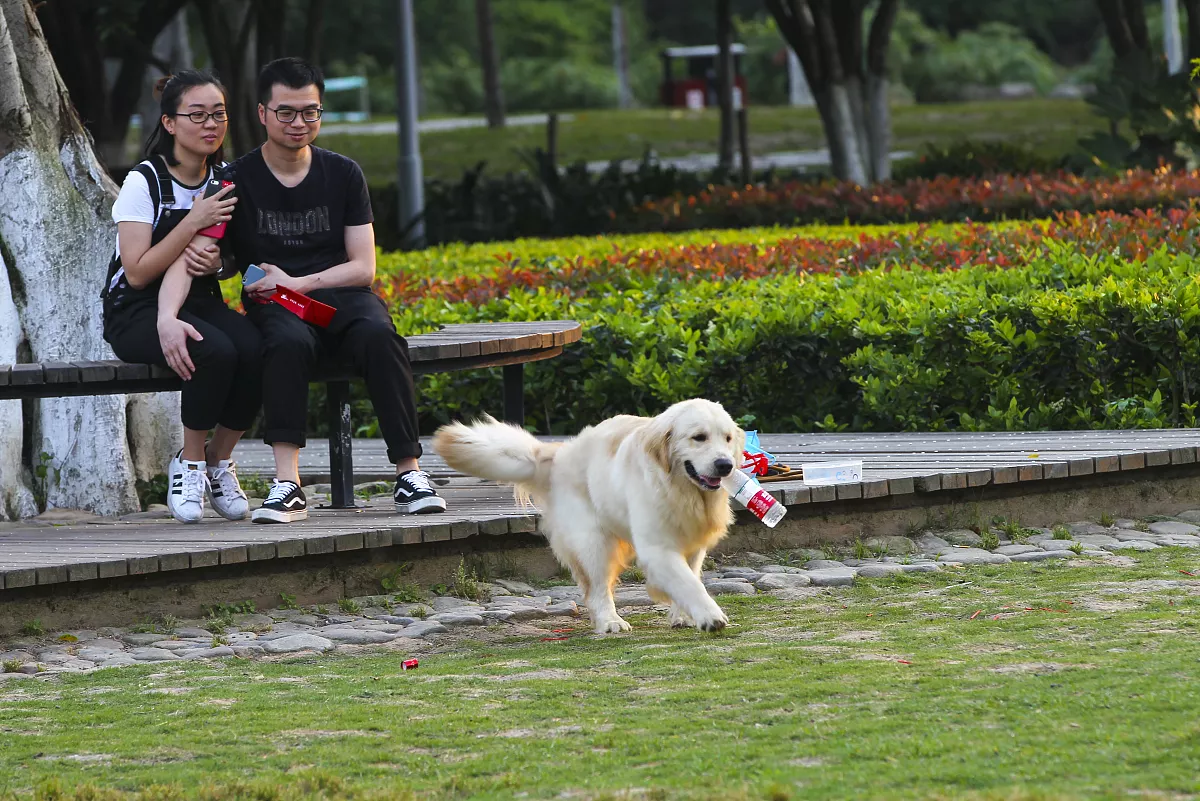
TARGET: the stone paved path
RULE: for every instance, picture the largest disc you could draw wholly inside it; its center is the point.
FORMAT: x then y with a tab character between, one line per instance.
520	608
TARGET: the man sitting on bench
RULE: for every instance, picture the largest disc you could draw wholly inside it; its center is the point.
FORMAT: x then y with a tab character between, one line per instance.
304	217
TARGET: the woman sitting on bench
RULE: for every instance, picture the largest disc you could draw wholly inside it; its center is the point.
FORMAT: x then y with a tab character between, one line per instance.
162	299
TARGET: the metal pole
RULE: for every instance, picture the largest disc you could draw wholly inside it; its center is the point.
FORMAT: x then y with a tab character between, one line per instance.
1172	43
410	187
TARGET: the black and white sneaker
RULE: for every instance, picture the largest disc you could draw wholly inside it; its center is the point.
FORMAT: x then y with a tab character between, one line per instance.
285	504
414	496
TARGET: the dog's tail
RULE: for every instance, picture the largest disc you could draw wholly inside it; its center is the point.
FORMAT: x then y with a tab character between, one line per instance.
498	452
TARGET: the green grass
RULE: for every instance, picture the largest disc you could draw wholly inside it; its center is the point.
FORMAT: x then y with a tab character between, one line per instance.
1050	126
888	689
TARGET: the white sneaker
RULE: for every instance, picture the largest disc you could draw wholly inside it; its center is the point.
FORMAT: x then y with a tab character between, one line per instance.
185	496
225	492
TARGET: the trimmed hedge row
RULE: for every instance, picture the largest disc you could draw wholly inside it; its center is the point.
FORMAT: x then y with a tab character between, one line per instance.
1068	340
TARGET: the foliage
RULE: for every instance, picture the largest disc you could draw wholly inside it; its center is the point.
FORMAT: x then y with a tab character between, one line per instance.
1161	113
1087	322
942	198
938	67
153	490
967	159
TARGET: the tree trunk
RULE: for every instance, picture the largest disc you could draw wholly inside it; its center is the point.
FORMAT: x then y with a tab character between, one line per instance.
173	51
1125	23
57	239
620	44
312	31
725	85
840	127
229	30
1193	30
862	136
879	127
493	95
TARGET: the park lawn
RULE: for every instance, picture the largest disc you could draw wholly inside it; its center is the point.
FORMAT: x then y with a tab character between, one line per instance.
1050	126
888	689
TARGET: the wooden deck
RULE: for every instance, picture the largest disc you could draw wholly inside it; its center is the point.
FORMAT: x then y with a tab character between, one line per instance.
45	552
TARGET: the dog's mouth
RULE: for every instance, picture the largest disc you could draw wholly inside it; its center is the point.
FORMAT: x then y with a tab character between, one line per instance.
706	482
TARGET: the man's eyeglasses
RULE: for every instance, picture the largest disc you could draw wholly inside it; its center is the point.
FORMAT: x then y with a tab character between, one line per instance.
284	114
201	117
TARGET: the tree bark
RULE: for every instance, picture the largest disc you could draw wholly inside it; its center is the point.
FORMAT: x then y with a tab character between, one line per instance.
229	30
57	239
849	87
1192	7
725	85
312	31
71	30
879	113
493	95
1125	23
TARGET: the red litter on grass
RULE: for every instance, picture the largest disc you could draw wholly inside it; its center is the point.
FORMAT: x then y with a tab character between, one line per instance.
977	611
904	661
409	664
1187	572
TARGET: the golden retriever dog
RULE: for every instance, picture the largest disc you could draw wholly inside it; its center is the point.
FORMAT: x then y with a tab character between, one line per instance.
629	487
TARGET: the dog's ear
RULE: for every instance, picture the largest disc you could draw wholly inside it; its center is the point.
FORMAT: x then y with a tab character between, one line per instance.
658	445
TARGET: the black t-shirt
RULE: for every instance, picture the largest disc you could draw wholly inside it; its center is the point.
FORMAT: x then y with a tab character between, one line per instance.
300	229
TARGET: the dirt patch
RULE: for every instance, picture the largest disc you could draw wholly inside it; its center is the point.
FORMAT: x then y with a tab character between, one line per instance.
807	762
551	673
1039	667
857	636
167	691
1097	605
220	702
85	759
319	734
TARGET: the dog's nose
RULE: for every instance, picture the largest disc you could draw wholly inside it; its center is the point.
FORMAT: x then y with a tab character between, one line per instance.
723	466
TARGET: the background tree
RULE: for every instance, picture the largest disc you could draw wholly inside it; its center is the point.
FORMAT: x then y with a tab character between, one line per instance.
55	241
493	96
848	82
82	36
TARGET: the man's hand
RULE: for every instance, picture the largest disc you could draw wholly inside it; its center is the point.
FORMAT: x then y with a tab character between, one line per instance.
275	279
202	257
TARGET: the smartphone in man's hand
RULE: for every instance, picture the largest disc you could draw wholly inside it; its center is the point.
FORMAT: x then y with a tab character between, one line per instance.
253	273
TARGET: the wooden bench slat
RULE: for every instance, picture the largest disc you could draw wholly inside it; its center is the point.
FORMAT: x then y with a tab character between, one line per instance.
60	373
24	375
92	372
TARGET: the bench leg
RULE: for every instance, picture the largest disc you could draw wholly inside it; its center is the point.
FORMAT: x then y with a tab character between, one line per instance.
514	393
341	459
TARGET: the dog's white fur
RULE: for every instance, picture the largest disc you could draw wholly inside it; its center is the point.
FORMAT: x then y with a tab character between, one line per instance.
621	488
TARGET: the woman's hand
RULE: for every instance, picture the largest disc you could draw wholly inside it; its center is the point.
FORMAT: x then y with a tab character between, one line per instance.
208	211
173	336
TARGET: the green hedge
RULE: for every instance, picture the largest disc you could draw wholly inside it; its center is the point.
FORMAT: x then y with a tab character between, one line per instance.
1067	341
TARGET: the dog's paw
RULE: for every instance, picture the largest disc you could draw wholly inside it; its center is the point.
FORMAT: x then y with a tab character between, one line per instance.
713	623
678	618
614	626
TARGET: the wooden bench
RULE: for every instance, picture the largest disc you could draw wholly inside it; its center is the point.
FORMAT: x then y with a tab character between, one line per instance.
454	347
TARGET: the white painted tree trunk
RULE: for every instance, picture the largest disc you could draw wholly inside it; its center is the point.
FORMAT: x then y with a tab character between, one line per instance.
56	236
879	127
840	130
16	499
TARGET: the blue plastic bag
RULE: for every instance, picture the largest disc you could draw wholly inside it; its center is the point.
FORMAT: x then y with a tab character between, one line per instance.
754	446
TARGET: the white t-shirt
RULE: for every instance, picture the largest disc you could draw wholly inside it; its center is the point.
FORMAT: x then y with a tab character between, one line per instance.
134	203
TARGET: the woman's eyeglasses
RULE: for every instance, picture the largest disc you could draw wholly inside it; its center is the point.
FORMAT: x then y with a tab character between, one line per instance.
201	117
284	114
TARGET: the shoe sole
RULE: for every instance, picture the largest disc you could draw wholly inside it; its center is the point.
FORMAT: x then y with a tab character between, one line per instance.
271	516
422	506
217	509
